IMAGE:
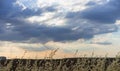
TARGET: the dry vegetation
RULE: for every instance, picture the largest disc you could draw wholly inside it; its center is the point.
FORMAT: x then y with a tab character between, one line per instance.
66	64
72	64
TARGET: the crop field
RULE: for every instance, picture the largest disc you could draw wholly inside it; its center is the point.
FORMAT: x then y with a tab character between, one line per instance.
67	64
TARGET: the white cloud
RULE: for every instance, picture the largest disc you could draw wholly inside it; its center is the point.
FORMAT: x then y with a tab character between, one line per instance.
40	19
27	3
21	5
47	19
56	18
64	5
118	22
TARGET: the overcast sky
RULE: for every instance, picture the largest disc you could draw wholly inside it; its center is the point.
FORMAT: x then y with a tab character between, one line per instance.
35	27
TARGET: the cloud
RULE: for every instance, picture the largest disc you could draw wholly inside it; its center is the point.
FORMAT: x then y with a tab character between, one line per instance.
104	13
96	19
102	43
12	9
44	33
16	17
91	3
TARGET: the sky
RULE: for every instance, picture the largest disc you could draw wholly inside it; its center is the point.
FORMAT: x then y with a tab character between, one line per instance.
75	28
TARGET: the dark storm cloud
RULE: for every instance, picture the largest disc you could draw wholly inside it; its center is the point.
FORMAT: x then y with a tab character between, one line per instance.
43	33
96	19
10	9
7	12
24	31
5	7
20	30
104	13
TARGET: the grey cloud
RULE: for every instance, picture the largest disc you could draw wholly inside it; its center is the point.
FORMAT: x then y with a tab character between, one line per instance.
10	10
97	19
104	43
91	3
13	14
101	43
83	24
44	33
104	13
23	31
87	27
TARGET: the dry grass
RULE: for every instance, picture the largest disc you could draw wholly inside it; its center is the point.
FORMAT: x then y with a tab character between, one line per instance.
66	64
73	64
